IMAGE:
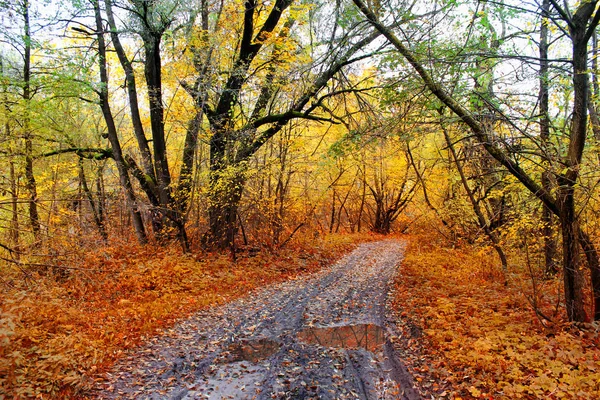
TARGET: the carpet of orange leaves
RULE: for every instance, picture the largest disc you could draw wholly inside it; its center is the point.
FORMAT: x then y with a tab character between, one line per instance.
467	335
61	331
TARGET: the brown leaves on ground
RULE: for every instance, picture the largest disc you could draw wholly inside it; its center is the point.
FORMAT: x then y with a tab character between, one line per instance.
58	335
466	335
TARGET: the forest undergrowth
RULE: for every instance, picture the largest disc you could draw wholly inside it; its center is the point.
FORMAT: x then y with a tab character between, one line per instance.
465	335
62	328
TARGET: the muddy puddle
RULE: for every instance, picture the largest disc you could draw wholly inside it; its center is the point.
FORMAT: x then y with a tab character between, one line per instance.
366	336
253	350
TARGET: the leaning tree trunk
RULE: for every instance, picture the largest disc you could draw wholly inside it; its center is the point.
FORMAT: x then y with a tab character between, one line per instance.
483	224
582	24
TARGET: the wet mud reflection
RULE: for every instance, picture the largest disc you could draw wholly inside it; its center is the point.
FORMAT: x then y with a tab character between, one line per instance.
253	350
366	336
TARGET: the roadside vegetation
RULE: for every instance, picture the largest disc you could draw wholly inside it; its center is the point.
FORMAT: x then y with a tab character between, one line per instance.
465	334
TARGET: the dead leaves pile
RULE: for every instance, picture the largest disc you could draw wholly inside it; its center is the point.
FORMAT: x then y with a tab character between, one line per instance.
466	335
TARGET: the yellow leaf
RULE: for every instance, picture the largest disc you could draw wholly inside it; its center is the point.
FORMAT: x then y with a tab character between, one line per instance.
474	391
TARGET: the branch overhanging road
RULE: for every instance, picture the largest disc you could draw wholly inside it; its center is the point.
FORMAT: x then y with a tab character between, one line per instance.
321	336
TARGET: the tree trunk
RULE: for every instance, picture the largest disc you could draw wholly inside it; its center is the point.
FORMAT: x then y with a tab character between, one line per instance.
186	179
199	94
113	138
547	217
363	198
382	224
134	109
34	217
101	194
574	297
572	276
153	73
595	93
95	214
593	260
147	175
14	196
389	206
332	219
226	190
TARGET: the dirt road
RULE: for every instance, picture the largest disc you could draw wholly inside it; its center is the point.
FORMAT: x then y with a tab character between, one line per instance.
322	336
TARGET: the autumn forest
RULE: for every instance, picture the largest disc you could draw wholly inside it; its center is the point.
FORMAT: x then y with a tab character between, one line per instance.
163	157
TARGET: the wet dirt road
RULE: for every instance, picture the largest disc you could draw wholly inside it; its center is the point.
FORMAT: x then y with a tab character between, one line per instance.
321	336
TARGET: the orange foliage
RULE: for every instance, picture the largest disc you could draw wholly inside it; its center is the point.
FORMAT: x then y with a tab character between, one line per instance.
466	335
59	335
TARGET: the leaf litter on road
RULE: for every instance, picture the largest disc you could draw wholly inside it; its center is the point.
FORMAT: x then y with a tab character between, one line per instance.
323	336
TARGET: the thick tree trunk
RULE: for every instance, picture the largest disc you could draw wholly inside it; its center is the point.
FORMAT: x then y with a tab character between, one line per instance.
226	182
226	188
153	73
573	285
572	276
382	223
245	142
386	214
146	175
